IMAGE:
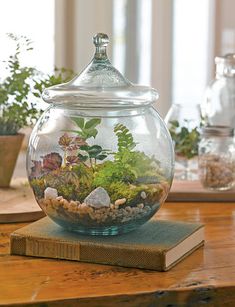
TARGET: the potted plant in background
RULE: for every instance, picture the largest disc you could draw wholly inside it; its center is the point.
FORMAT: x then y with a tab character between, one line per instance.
184	122
18	97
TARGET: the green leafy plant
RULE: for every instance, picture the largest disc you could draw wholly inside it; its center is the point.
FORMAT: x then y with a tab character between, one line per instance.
135	162
87	129
60	75
125	176
185	140
112	171
125	138
94	152
15	109
128	165
21	87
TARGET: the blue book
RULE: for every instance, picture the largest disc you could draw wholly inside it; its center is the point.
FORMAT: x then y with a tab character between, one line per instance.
157	245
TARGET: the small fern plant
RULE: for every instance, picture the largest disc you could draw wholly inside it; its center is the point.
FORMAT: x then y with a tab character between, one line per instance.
125	138
134	162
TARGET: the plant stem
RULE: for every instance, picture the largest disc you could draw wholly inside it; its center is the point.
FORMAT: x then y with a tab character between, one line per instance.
92	166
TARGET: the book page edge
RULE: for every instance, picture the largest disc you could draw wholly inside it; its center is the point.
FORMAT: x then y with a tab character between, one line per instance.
184	247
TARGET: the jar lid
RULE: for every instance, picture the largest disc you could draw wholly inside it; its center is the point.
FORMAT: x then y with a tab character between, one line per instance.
225	65
217	131
100	85
228	58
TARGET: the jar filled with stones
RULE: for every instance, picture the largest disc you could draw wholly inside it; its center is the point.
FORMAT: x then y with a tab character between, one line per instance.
217	158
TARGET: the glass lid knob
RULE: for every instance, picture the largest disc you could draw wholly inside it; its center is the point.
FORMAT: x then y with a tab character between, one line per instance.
101	41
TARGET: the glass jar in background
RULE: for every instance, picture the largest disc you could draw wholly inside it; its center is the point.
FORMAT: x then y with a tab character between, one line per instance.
183	122
217	158
218	106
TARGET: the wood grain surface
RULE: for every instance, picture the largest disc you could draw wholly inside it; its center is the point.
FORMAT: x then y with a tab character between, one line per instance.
205	278
193	191
17	203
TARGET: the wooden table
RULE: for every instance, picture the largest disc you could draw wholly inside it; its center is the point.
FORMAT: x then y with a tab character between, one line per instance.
205	278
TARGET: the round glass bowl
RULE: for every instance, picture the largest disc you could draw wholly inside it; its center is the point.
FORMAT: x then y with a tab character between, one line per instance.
100	159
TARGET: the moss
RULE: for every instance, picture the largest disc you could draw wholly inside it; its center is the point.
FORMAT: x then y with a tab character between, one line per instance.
117	190
83	173
73	183
120	177
38	186
154	193
68	191
77	183
112	172
83	191
127	176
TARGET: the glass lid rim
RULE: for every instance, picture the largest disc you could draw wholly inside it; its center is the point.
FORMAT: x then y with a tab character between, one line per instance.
217	130
108	94
100	81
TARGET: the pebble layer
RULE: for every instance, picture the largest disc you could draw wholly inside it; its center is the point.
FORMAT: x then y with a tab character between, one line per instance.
216	172
116	212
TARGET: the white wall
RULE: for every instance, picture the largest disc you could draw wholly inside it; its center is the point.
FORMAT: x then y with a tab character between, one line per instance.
77	22
225	27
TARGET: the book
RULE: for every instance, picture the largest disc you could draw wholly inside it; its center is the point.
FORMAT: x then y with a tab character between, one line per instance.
156	245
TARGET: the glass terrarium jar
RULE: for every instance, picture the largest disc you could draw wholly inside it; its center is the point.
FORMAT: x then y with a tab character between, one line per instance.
218	106
183	122
100	159
217	158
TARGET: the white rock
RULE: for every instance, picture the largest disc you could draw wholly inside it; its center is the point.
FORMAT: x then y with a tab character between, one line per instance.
143	195
140	206
98	198
50	193
120	201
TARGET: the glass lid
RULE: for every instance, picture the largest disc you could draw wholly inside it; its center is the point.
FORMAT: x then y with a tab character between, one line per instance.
100	85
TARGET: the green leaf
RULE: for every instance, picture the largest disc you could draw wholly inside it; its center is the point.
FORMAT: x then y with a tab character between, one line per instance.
174	123
96	147
85	147
80	133
79	121
92	132
125	138
101	157
17	110
82	157
185	141
92	123
94	151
